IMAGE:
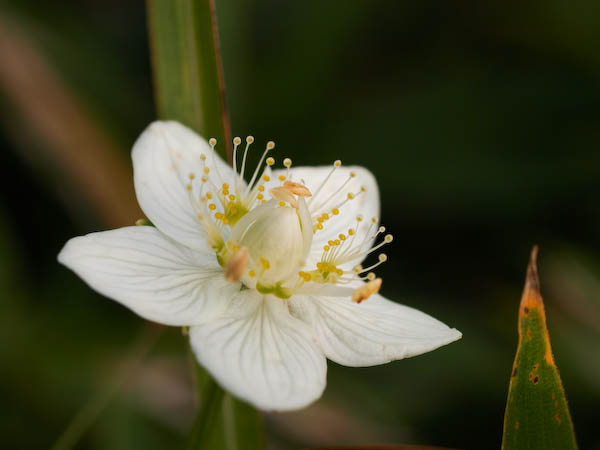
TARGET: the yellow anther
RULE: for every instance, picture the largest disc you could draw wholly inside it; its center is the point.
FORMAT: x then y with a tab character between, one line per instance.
366	290
191	176
281	203
270	161
212	142
212	206
251	273
325	216
260	196
304	275
342	236
237	140
209	195
335	211
199	217
370	276
206	170
359	218
331	243
261	188
357	269
382	257
350	195
326	248
267	177
232	197
388	238
189	187
202	157
337	242
363	189
264	263
319	226
281	177
204	179
352	174
340	272
225	186
249	139
381	229
287	162
374	219
337	163
270	145
351	232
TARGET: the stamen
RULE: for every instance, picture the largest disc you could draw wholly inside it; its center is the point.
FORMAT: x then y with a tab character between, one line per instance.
337	163
296	188
270	146
236	142
366	290
287	162
284	195
236	265
249	141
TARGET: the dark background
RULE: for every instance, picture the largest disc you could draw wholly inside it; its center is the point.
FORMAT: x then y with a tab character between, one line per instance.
480	121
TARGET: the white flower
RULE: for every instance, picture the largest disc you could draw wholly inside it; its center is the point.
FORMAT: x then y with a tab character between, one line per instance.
266	274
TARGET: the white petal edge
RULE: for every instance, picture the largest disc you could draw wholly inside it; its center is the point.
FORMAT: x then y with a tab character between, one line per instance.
373	332
164	156
157	278
262	354
365	204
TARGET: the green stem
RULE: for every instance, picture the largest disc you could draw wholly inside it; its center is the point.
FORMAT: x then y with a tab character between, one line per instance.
190	88
188	70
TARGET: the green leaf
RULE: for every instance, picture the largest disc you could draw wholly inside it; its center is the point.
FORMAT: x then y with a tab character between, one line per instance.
537	415
188	73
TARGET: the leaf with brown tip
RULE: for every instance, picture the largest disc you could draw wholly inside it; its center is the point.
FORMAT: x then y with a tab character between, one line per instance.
537	416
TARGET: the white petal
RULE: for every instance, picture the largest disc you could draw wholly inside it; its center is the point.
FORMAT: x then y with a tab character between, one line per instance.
330	195
262	354
150	274
373	332
164	156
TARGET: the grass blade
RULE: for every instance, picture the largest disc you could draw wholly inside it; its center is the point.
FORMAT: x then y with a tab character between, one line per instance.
537	416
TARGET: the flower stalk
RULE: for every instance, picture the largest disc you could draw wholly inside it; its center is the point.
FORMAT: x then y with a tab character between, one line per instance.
190	88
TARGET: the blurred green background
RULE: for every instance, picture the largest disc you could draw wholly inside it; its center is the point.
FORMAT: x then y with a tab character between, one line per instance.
481	122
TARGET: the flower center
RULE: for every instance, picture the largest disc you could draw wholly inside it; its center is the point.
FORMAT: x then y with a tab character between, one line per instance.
273	235
263	238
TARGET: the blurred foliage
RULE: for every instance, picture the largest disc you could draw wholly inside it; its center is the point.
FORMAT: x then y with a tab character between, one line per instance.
481	123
